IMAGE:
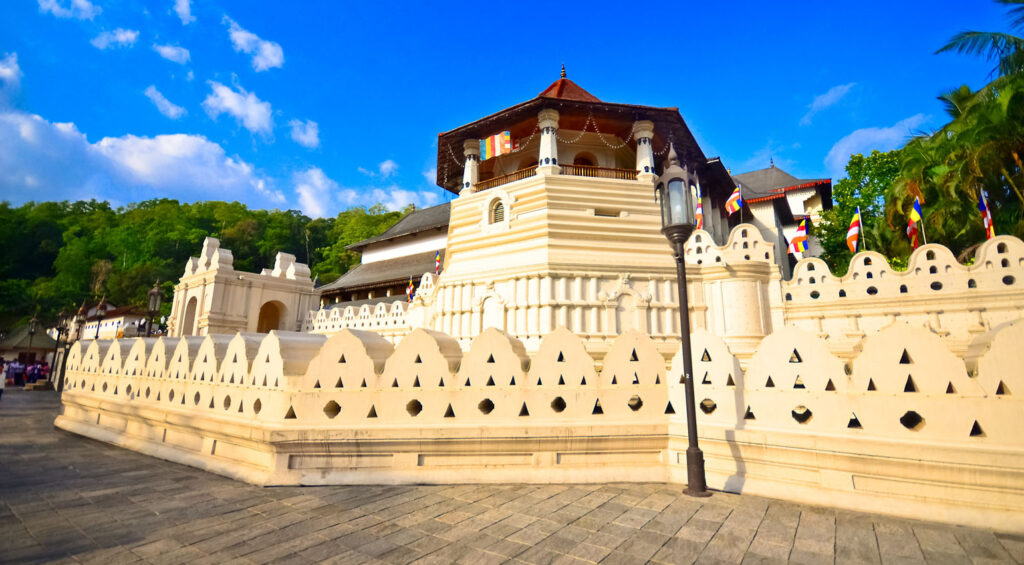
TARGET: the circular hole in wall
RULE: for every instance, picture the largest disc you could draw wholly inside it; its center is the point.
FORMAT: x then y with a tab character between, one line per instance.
170	396
83	383
147	392
872	290
912	420
196	399
815	294
802	414
257	406
414	407
936	285
558	404
1008	280
332	409
104	387
707	406
486	406
635	403
128	391
227	402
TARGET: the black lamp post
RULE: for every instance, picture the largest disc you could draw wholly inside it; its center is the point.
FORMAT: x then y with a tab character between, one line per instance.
80	321
62	327
677	223
101	310
154	306
33	324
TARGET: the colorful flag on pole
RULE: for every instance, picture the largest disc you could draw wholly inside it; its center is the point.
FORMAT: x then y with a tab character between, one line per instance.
735	201
798	245
409	290
986	217
912	234
914	218
498	144
700	211
853	234
437	263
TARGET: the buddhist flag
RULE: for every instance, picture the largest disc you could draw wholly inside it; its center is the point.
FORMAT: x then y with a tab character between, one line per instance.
914	219
498	144
798	245
700	211
986	217
437	263
853	234
409	290
735	201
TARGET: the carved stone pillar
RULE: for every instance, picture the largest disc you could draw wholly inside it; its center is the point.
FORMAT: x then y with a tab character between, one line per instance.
471	172
547	159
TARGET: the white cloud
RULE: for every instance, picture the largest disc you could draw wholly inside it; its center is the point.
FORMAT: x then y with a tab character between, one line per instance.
315	191
265	54
387	168
78	9
822	101
10	72
40	160
306	134
184	10
430	175
392	197
254	114
867	139
174	53
166	107
120	37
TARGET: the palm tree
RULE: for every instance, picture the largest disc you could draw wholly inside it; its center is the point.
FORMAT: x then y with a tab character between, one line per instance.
1007	50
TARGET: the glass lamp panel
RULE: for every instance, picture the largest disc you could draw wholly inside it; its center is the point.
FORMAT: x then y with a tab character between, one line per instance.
663	197
680	208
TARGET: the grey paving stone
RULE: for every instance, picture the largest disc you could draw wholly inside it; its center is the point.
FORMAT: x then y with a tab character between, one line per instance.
101	504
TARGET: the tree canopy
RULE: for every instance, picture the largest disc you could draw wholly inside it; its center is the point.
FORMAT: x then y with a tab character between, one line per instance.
55	255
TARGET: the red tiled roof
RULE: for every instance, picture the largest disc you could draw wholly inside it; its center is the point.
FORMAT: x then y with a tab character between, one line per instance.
566	89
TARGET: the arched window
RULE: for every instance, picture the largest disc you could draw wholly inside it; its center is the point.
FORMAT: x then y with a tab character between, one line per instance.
497	212
585	159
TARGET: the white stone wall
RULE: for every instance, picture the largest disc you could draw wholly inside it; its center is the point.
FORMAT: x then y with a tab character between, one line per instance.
906	426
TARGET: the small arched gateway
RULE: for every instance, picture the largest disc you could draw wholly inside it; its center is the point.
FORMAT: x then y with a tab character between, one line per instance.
188	326
271	317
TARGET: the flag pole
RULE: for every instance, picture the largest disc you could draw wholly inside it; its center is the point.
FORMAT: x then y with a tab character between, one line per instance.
924	236
863	229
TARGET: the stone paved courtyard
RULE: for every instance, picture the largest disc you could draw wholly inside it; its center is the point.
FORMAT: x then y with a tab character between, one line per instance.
66	498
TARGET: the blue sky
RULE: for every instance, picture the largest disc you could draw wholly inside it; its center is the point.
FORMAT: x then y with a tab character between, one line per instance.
320	106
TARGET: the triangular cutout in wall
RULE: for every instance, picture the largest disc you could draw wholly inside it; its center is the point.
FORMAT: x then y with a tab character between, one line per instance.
795	357
490	358
416	382
373	412
854	422
749	415
490	381
829	386
561	358
729	381
769	383
561	380
290	415
633	356
449	413
316	384
910	386
871	384
669	409
524	411
976	430
705	357
905	358
597	407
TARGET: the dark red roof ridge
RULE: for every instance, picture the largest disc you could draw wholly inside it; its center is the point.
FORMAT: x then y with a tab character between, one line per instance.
566	89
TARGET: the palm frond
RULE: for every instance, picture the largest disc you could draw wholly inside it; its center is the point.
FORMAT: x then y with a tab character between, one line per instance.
988	44
1016	13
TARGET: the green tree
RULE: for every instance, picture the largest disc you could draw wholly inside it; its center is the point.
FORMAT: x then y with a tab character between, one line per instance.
867	180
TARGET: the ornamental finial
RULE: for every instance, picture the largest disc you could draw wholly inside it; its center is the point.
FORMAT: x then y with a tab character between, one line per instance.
563	70
673	159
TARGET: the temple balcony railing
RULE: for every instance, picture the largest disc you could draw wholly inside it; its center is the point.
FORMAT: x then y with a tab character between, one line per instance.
505	179
599	172
572	170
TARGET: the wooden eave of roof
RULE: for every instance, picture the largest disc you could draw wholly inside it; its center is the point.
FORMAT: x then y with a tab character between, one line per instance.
781	192
521	121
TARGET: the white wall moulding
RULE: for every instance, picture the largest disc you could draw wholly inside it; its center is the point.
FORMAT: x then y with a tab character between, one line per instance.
904	426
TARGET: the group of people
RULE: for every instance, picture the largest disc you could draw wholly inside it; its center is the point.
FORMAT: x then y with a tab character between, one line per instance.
17	373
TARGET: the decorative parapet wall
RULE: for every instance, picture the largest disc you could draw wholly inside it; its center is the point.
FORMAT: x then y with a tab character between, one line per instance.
390	320
905	419
956	301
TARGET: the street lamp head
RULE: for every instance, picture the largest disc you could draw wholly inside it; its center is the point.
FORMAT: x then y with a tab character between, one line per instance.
675	192
32	325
